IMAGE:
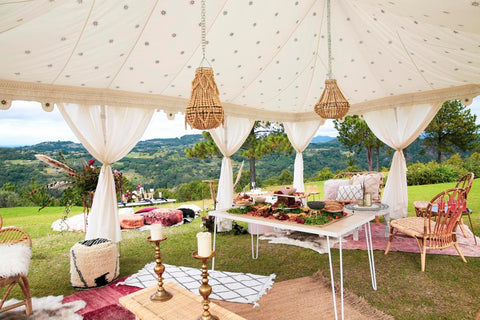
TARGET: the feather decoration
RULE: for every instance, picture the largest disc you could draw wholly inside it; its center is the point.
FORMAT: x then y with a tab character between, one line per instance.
239	175
55	163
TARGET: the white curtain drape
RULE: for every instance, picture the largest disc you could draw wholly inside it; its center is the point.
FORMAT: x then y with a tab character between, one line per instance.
300	134
108	133
229	139
398	128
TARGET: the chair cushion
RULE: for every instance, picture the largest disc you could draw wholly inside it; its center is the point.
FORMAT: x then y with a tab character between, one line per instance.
15	259
331	186
412	226
350	193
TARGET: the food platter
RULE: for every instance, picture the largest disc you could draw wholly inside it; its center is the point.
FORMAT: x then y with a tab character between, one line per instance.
243	203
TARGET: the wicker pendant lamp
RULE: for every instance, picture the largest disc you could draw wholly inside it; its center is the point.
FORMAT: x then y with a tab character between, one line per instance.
332	103
204	110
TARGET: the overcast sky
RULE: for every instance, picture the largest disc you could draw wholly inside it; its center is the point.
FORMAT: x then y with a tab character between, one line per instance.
25	123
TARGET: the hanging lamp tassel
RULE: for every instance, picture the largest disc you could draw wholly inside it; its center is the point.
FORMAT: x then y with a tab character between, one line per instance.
332	103
204	110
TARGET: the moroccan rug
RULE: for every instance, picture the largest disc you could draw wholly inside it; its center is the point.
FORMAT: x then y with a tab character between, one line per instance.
319	244
228	286
46	308
102	303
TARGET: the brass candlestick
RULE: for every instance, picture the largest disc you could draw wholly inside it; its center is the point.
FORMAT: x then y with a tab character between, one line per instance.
161	294
205	289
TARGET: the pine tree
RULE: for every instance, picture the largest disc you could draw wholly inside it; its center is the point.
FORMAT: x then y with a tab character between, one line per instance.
452	128
264	138
354	134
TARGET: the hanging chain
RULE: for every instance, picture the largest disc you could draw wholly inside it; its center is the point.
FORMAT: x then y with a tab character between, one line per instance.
204	33
329	39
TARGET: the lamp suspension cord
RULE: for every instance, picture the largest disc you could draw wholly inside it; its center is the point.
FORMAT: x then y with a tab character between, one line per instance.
329	39
204	33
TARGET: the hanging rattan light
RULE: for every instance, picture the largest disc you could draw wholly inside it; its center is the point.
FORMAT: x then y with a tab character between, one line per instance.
332	104
204	110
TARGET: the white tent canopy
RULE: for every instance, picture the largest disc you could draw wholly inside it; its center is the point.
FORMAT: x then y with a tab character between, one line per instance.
269	56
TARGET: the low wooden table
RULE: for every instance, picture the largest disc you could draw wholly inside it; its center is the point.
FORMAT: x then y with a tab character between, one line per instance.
184	305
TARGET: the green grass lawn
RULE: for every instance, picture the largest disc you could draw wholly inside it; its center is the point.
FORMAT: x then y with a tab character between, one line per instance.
447	290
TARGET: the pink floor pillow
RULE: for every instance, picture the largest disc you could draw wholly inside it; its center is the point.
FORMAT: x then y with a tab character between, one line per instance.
146	209
167	217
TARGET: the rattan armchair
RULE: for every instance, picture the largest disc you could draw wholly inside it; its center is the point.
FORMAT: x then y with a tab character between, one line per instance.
437	228
13	235
465	182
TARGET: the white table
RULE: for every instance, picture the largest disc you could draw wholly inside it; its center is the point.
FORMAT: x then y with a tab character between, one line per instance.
145	203
378	209
338	229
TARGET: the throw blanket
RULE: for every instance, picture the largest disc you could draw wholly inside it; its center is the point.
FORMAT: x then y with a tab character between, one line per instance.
228	286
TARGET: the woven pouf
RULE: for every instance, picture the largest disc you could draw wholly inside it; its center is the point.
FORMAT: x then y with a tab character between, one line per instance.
93	263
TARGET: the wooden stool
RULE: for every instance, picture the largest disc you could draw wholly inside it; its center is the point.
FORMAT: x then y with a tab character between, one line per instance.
420	208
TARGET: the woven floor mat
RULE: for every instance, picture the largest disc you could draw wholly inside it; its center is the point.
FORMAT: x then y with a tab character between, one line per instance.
304	299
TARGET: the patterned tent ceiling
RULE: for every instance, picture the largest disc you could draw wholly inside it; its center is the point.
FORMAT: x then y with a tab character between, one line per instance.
269	56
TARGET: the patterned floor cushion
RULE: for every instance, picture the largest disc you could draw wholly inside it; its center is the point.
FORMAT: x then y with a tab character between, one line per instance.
167	217
131	221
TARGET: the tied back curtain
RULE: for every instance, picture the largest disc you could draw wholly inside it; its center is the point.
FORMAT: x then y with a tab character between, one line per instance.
300	134
398	128
108	133
229	139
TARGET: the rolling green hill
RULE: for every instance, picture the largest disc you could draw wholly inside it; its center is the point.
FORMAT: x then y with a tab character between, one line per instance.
161	163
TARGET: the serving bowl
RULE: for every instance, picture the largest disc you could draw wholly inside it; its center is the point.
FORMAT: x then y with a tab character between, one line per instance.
316	205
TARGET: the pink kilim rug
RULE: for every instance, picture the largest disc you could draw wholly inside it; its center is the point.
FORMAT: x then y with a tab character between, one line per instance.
408	244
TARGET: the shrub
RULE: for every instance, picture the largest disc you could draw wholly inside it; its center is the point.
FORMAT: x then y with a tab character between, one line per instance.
272	181
432	172
193	190
323	175
472	164
455	161
353	168
285	177
10	199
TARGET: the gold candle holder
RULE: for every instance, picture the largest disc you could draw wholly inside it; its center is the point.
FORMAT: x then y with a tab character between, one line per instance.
161	294
205	289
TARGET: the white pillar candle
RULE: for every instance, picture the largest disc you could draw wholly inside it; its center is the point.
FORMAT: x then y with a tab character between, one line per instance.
368	200
204	240
156	231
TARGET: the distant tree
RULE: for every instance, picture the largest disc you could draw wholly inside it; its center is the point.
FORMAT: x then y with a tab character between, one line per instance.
204	149
354	134
453	127
264	138
8	186
285	177
37	194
